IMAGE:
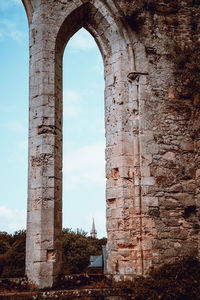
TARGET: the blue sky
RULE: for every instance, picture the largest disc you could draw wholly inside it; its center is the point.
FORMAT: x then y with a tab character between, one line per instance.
83	135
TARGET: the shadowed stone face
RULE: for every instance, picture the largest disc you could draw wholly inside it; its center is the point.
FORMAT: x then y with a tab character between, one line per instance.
152	140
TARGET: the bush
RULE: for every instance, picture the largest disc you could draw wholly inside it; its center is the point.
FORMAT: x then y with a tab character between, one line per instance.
77	249
180	280
12	257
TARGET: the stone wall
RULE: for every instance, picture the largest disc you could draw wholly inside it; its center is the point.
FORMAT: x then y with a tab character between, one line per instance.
169	31
151	59
71	287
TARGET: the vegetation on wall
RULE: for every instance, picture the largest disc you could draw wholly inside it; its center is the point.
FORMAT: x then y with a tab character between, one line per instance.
186	61
166	23
142	11
179	280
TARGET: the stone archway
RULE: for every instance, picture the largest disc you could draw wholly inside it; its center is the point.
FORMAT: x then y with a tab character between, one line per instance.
152	141
51	26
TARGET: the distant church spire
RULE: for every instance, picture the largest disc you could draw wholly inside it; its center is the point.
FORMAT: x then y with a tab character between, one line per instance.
93	232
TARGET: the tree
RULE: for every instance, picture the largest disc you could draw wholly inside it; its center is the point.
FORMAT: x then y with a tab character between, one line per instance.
76	253
77	249
12	260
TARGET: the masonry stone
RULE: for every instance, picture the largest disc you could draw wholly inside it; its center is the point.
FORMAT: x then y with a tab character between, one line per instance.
150	51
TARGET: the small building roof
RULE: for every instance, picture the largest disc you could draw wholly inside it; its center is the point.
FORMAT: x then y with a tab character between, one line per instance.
97	263
93	258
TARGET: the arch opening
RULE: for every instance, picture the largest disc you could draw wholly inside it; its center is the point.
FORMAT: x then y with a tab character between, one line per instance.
14	111
83	135
83	152
46	140
117	60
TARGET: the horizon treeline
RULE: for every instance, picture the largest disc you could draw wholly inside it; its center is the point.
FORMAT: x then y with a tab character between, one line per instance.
77	248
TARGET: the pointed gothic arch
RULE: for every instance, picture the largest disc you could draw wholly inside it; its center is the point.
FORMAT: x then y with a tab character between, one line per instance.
29	10
50	31
140	84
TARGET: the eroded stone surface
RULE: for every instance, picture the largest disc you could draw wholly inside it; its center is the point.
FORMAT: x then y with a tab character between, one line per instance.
152	122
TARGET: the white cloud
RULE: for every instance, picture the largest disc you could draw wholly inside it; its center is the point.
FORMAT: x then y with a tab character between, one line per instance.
71	103
71	96
82	40
23	144
98	67
99	126
15	126
6	108
17	2
12	220
85	165
7	4
8	29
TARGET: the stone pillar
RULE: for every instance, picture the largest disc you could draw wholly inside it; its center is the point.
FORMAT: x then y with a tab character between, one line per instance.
44	218
143	230
152	142
120	190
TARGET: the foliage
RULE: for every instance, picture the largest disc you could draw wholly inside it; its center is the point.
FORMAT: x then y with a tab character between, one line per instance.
5	240
77	249
187	67
141	11
180	280
12	255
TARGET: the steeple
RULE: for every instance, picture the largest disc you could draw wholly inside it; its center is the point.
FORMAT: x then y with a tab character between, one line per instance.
93	232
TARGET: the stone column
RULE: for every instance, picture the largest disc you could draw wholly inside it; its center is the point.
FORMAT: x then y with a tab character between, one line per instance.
143	231
119	170
44	218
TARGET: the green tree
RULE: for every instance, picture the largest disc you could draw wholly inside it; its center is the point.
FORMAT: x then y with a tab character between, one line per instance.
12	260
77	249
5	242
96	244
76	254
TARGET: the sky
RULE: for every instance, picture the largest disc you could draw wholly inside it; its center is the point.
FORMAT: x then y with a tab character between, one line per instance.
83	132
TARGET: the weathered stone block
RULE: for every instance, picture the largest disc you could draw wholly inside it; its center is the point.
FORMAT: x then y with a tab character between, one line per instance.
152	142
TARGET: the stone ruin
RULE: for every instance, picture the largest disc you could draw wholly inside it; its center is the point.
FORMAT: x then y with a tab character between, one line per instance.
150	51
